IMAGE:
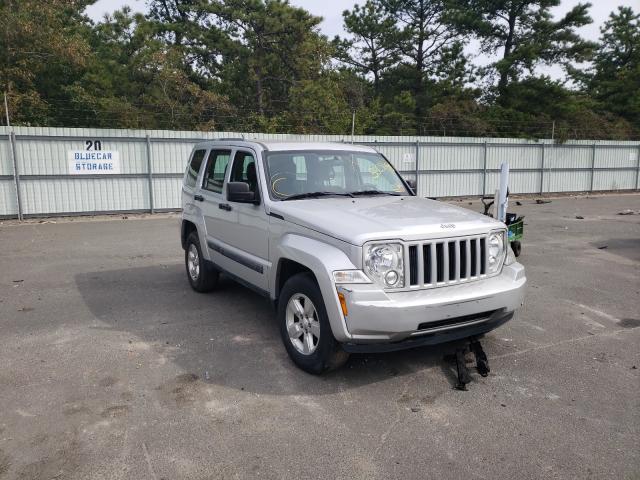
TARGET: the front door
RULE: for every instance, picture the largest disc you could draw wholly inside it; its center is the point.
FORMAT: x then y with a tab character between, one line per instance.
238	232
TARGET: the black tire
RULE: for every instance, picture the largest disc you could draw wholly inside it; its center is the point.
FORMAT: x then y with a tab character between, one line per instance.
207	277
516	247
328	354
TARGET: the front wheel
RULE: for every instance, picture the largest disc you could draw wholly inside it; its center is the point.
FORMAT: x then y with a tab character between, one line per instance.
304	326
516	247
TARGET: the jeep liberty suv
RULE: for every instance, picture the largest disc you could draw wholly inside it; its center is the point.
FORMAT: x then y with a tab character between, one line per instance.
351	258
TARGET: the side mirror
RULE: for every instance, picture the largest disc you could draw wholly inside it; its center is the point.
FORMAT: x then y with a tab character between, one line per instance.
412	185
239	192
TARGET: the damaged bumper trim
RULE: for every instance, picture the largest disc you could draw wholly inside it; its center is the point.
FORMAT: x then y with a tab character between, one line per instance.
475	329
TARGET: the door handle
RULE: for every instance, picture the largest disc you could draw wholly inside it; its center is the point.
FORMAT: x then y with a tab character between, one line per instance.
224	206
199	198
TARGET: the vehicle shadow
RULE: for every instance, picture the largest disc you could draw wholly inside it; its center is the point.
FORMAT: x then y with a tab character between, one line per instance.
228	337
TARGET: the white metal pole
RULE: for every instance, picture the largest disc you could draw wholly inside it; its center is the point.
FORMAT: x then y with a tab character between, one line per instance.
638	170
150	173
12	151
353	125
502	195
6	109
484	169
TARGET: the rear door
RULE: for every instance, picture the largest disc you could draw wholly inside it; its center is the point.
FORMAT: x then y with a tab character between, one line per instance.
240	230
210	192
190	188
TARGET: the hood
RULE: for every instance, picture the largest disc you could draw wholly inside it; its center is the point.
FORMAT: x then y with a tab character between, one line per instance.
358	220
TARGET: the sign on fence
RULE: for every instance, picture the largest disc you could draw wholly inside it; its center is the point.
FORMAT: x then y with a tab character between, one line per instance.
85	162
408	159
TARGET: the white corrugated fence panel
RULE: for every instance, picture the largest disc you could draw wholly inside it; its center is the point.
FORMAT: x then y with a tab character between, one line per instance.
617	157
517	156
523	182
493	180
614	180
565	156
567	181
519	182
8	201
451	166
437	157
84	195
50	156
166	193
6	165
402	157
170	157
450	184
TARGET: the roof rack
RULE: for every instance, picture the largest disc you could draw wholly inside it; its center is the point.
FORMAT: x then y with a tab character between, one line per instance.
228	139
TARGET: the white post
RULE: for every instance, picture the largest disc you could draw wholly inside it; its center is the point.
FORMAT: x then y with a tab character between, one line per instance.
353	125
503	200
12	152
6	109
150	173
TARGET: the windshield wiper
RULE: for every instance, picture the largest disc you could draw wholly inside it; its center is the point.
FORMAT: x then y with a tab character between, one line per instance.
299	196
375	192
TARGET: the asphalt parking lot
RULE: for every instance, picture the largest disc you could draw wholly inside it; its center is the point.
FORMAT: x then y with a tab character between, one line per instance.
111	367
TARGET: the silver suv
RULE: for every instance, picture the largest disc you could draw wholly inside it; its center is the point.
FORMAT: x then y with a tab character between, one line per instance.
351	258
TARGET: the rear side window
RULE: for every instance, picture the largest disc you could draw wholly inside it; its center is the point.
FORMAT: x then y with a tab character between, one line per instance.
216	170
194	168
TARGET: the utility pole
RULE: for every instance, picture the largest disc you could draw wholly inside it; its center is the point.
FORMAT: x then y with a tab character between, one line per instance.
6	109
353	125
12	152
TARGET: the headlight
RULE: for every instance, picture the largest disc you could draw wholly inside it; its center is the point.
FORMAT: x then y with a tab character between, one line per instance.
496	250
384	263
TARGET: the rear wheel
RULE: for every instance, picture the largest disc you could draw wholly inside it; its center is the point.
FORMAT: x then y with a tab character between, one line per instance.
304	326
202	277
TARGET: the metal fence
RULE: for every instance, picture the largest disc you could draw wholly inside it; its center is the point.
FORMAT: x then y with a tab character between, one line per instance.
35	177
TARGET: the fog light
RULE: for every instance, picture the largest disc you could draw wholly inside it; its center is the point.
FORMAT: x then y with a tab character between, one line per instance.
391	277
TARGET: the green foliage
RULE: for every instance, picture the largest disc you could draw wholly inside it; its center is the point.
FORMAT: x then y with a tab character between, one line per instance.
275	48
43	46
523	34
615	82
426	38
374	47
263	65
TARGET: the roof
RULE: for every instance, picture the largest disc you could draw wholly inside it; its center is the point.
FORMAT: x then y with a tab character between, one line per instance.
285	145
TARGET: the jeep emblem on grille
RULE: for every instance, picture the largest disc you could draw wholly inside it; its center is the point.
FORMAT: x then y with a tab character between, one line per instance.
447	225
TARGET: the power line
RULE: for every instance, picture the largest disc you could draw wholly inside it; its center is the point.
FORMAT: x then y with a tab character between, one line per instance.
187	116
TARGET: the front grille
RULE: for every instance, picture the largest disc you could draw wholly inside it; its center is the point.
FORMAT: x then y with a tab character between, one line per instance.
447	261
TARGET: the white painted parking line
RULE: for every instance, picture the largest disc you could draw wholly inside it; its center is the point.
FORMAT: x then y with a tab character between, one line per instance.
597	312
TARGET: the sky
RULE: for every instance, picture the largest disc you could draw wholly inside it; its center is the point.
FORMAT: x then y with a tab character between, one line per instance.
331	11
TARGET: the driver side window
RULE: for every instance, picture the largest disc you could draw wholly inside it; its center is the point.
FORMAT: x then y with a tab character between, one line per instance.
244	170
216	170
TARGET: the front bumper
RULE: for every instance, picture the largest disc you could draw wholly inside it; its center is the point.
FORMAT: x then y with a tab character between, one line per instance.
433	338
434	315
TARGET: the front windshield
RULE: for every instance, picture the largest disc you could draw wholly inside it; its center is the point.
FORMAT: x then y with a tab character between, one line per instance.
299	173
